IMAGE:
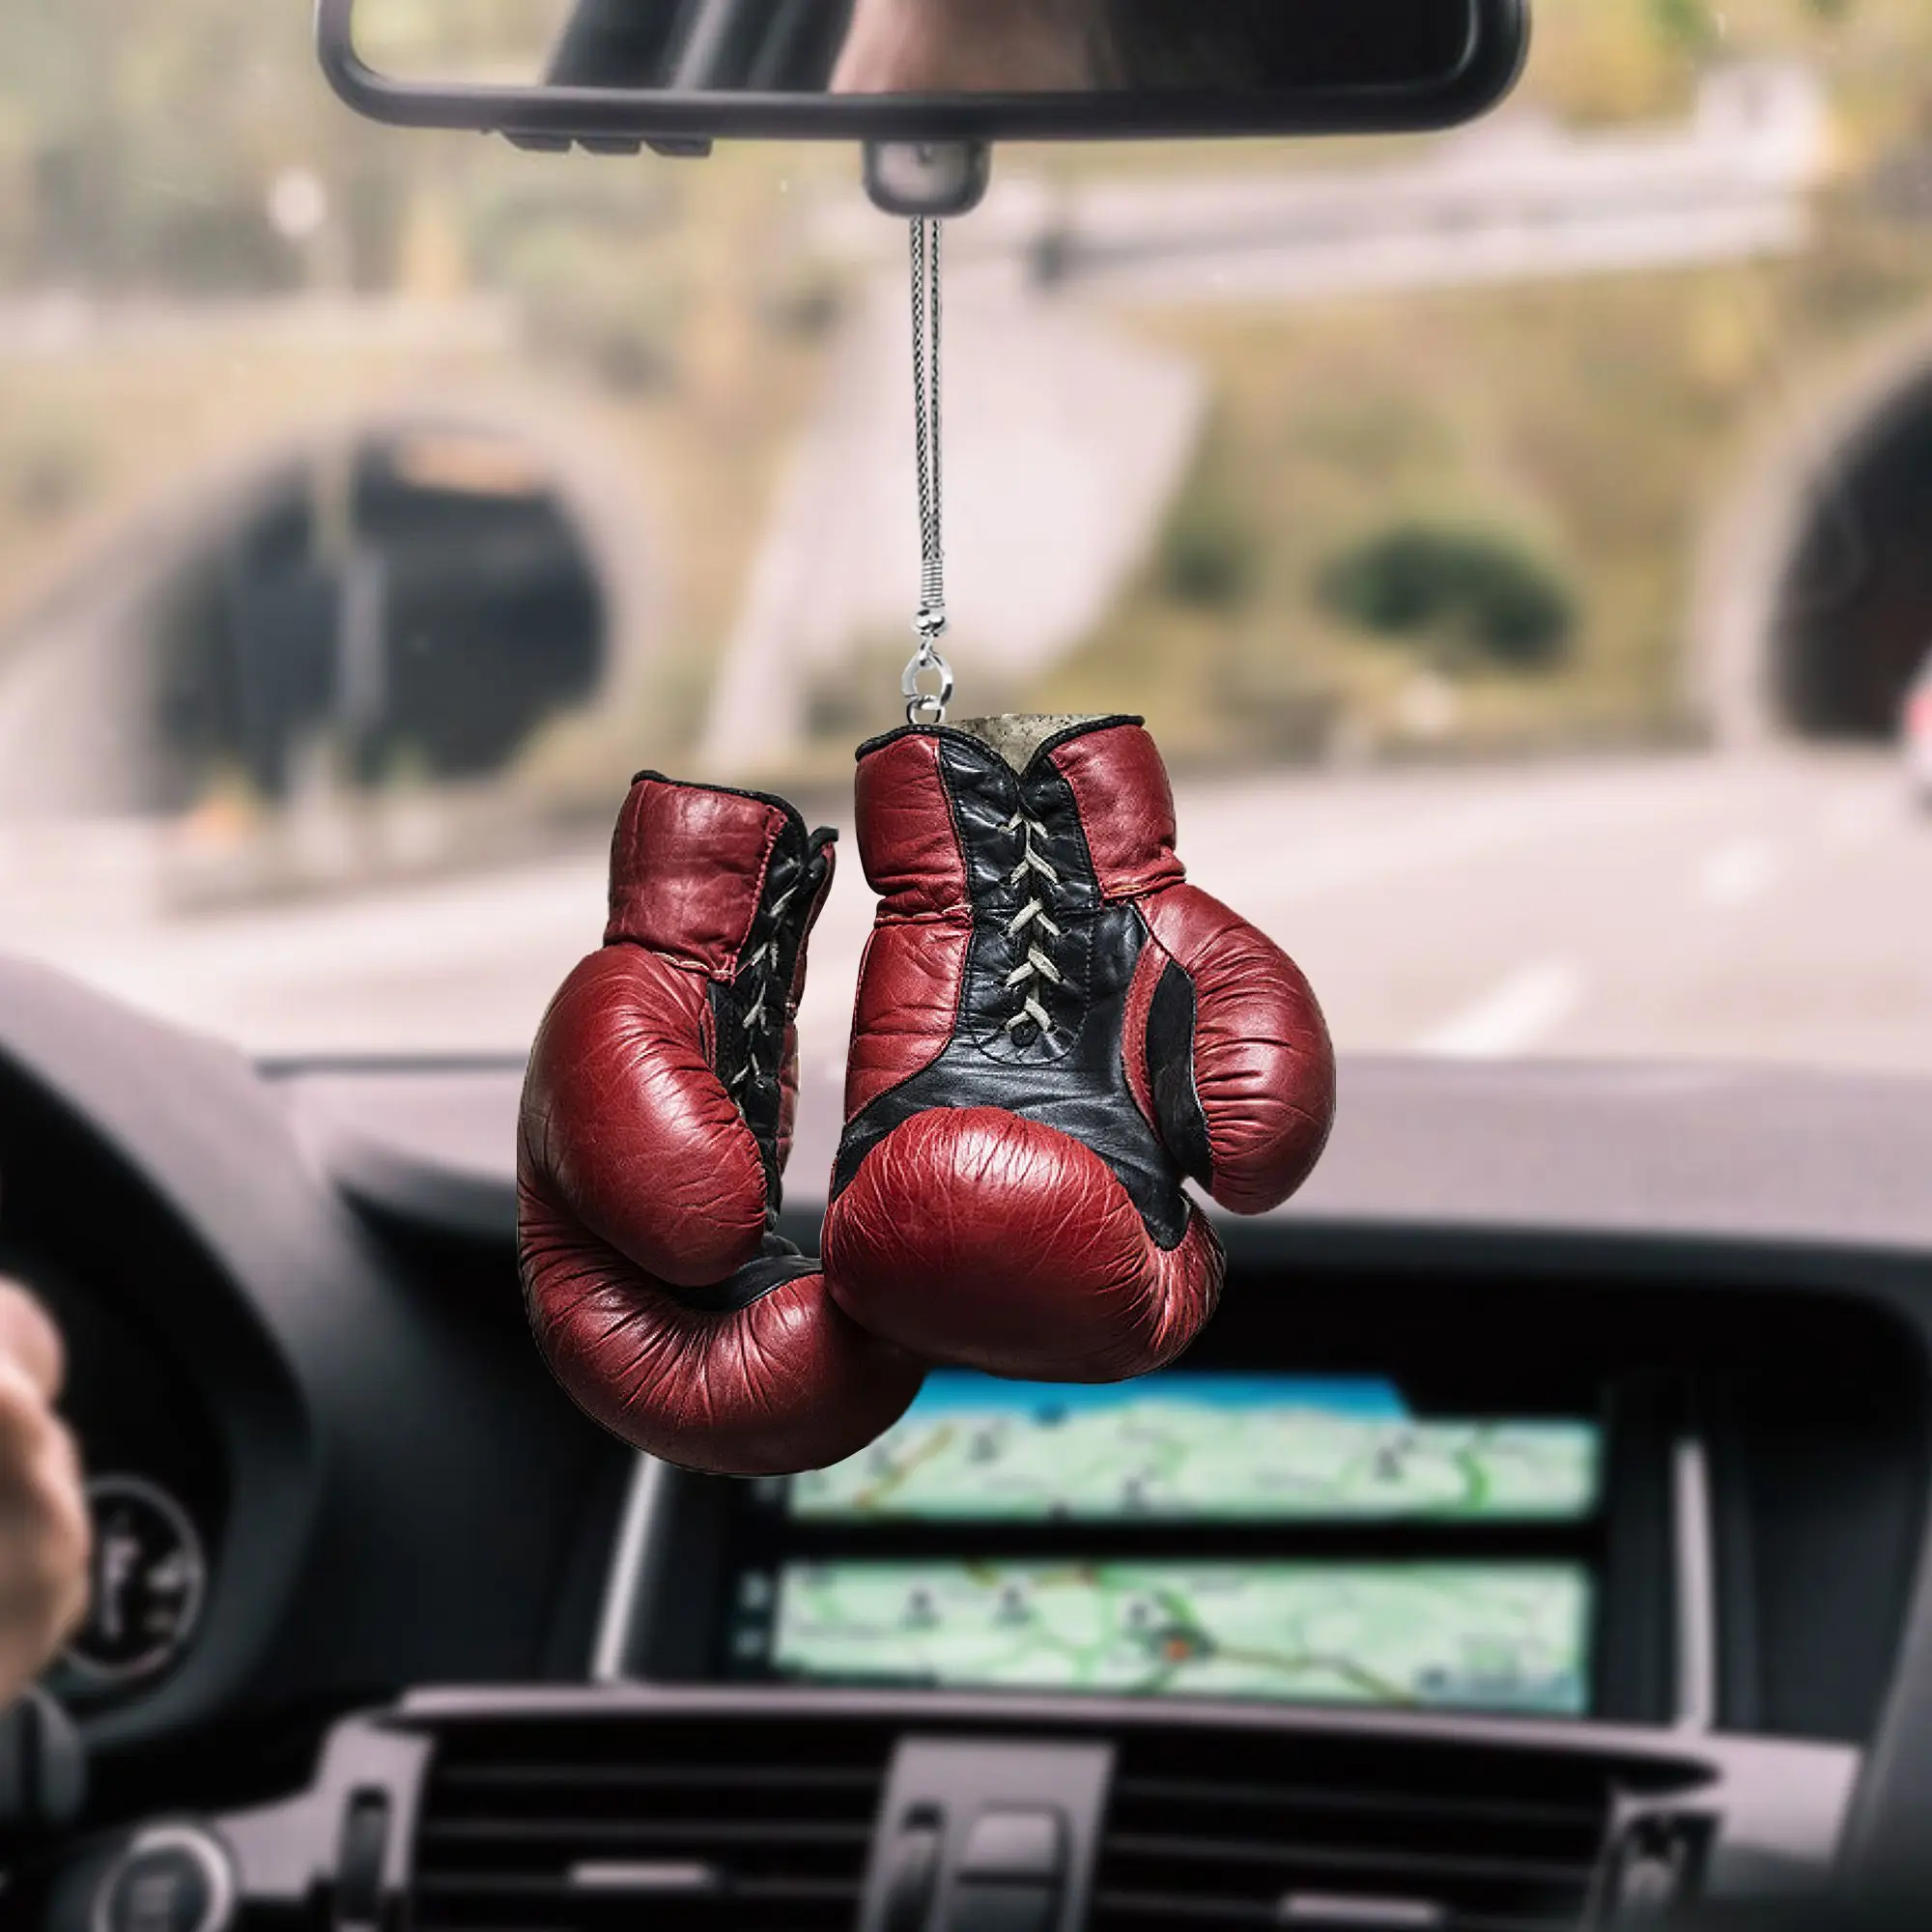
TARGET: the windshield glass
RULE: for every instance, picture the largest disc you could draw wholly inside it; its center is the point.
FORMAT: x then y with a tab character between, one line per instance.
1517	540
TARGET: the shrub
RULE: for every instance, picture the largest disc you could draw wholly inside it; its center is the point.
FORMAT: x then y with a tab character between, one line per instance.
1483	591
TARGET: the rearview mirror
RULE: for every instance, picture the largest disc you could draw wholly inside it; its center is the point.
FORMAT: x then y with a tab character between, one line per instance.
614	73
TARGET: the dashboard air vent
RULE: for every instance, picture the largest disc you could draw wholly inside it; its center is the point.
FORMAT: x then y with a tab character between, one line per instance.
1351	1833
681	1824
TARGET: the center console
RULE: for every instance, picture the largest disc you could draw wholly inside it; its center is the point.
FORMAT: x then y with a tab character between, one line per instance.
1493	1498
1499	1604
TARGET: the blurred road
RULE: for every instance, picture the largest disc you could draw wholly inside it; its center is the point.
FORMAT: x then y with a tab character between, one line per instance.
1770	908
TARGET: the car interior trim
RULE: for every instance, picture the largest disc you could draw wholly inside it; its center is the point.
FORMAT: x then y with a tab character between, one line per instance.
1692	1523
638	1531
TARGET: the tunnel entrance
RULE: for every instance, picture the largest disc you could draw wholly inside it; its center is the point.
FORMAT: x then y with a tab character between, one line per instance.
1853	612
422	599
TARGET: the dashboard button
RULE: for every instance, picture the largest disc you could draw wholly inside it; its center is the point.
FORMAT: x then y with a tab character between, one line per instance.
913	1874
1655	1869
150	1577
1015	1844
172	1878
358	1876
1004	1908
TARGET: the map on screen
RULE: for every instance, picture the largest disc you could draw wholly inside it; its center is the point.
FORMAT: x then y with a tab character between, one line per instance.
1201	1447
1491	1637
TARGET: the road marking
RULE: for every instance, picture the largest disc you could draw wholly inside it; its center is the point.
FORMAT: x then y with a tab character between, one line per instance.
1734	875
1513	1017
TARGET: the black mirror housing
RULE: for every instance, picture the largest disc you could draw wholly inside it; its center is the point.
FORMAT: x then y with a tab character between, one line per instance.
1364	90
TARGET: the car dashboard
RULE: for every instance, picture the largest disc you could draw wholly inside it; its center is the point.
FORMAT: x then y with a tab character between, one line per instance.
1535	1539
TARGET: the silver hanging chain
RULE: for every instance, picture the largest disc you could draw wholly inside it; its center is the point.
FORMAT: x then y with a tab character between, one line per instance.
925	704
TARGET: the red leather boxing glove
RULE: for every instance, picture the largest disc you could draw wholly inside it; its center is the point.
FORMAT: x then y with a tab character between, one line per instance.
1052	1029
656	1119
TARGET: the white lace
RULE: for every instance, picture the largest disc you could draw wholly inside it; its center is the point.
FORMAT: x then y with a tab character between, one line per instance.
759	962
1032	918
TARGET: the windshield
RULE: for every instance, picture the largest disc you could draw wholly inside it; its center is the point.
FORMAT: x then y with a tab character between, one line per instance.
1517	540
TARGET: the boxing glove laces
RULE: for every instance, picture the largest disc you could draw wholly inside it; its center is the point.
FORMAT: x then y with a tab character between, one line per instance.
1053	1029
656	1118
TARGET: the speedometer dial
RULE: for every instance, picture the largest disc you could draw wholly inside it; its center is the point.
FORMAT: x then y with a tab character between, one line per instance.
150	1578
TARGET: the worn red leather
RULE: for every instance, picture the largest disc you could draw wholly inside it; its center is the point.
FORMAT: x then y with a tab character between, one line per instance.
655	1122
1053	1029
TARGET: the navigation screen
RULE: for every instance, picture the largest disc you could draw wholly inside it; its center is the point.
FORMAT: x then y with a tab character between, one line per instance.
1202	1447
1490	1636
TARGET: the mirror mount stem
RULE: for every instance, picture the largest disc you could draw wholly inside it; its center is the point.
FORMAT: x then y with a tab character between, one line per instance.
930	179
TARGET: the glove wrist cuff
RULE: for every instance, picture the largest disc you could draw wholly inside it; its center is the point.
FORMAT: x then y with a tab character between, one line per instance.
935	801
704	875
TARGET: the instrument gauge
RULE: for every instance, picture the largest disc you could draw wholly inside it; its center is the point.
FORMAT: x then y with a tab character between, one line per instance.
148	1582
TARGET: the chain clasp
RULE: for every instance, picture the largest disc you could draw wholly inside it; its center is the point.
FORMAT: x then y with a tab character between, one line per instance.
928	707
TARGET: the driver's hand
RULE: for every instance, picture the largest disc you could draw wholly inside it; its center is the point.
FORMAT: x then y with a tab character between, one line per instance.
975	46
45	1536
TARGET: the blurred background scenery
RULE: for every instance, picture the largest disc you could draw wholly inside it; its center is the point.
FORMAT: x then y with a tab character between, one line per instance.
1519	541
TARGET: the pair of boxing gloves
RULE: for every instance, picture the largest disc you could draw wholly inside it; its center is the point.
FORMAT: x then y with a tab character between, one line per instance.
1053	1030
